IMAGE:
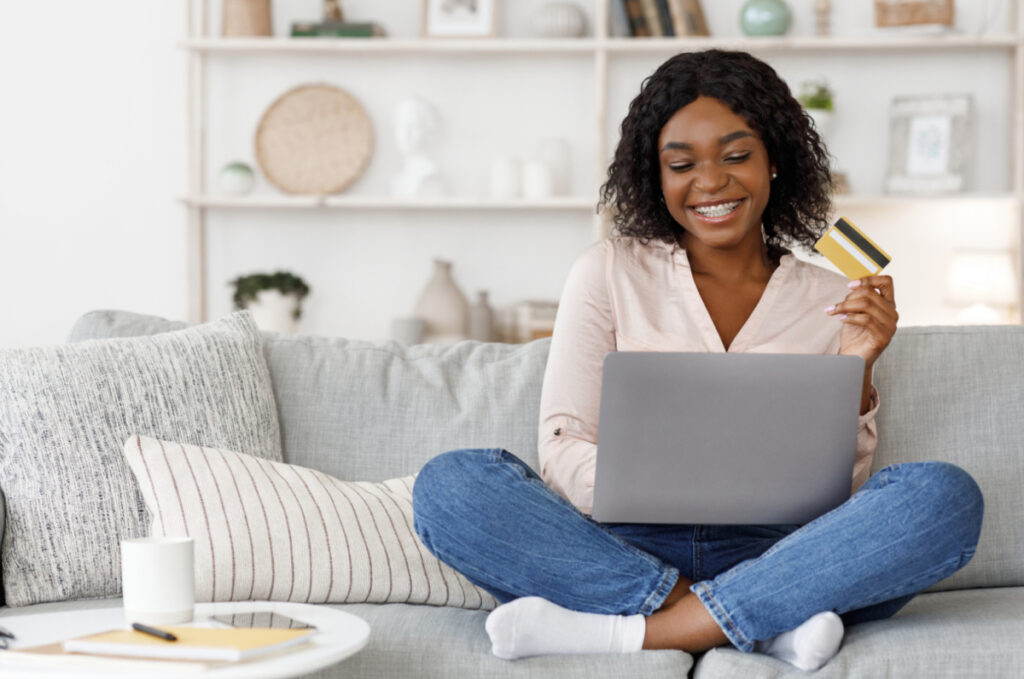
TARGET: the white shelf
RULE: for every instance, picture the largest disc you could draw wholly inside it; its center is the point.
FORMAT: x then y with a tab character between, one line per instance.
387	203
590	45
386	45
568	203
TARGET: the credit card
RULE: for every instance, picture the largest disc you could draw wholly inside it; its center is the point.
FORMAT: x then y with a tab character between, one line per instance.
851	251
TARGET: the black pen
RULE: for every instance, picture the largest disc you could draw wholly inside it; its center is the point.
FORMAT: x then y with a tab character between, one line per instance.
152	631
5	633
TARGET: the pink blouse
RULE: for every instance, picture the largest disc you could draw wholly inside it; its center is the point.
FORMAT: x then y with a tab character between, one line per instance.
624	296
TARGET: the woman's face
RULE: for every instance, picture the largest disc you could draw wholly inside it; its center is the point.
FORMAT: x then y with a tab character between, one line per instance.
715	174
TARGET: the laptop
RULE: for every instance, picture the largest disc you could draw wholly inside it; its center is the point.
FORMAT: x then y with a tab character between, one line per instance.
700	438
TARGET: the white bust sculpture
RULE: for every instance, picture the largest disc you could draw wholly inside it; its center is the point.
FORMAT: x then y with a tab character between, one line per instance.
416	127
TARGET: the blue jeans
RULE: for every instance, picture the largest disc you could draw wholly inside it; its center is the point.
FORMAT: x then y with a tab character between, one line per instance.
489	516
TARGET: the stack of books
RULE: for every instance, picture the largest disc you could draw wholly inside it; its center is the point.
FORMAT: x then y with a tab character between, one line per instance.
337	29
657	18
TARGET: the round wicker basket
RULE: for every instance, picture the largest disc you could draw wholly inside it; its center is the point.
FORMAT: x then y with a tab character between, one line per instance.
314	139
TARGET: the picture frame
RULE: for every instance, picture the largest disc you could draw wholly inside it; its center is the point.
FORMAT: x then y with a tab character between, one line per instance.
459	18
930	144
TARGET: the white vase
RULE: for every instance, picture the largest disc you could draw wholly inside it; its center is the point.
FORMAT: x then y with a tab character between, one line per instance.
443	307
274	311
481	319
559	20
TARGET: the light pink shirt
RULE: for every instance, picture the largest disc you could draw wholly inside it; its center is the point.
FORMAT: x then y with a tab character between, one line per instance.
624	296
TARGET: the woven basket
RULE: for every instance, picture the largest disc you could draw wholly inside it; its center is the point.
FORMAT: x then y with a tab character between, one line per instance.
314	139
246	18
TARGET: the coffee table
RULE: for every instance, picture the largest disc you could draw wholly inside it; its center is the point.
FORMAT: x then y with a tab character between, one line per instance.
339	636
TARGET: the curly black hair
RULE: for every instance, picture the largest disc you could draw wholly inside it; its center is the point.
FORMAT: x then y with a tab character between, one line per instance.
800	200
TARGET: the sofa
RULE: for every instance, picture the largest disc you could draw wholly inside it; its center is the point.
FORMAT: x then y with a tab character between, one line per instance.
371	411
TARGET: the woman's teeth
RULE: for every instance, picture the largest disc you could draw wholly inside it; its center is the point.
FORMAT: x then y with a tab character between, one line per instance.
719	210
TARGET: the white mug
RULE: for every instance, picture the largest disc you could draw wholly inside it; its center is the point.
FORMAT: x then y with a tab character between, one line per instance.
158	580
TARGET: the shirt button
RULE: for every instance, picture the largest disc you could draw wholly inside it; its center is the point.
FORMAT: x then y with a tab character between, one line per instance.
558	431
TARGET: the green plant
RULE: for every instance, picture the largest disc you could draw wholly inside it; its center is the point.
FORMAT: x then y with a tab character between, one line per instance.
816	94
248	287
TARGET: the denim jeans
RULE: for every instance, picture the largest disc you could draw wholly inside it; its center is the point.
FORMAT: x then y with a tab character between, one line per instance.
488	515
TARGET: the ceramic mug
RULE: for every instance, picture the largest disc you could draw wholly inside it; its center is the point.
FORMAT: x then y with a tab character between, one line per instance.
158	580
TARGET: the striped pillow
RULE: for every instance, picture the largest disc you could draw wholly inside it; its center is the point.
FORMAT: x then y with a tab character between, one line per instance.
278	532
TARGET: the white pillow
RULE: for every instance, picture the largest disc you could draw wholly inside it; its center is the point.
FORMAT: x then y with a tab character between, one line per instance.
278	532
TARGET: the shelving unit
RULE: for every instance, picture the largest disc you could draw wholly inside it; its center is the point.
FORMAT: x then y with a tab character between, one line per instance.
602	50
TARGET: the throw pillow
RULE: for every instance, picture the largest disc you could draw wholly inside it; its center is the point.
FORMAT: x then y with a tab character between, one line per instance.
278	532
67	410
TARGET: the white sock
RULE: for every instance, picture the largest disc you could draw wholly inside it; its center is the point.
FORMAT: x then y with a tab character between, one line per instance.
810	645
535	626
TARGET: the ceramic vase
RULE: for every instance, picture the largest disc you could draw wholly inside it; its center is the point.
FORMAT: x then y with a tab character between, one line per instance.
765	17
443	307
274	311
481	319
559	20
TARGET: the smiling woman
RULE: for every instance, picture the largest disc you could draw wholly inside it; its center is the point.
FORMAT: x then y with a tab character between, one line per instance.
717	174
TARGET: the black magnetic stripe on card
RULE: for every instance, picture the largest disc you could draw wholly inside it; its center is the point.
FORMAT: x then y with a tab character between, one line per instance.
867	248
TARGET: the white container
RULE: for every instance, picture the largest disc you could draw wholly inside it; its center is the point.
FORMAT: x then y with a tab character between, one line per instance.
538	180
506	178
158	580
274	311
555	152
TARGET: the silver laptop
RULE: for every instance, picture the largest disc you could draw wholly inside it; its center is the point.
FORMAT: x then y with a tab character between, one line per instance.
698	438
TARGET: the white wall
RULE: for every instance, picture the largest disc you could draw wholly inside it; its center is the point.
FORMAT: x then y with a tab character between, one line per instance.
92	160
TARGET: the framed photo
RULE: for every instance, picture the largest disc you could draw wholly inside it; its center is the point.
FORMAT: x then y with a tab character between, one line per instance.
930	144
459	18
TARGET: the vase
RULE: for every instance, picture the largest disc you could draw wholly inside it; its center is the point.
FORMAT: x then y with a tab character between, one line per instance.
481	319
246	18
765	17
443	307
559	20
274	311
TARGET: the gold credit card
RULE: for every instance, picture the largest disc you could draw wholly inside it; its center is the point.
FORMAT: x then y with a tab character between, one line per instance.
851	251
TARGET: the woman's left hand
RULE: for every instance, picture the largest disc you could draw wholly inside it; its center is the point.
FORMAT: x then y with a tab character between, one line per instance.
870	318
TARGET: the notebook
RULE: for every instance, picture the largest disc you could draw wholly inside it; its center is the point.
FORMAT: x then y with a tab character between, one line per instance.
712	438
194	643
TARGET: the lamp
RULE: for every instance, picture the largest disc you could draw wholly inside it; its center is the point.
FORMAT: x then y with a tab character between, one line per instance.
983	282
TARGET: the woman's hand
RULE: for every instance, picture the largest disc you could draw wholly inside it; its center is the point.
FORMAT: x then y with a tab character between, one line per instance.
869	318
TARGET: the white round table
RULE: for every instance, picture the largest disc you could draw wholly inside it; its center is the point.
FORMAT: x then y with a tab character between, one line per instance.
339	635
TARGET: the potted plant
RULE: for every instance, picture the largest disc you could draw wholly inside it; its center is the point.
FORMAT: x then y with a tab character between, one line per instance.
816	97
275	300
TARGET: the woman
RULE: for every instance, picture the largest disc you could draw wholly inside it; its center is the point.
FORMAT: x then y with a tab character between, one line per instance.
717	172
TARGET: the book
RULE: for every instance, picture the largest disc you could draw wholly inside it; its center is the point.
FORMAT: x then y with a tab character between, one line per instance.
194	643
53	656
652	17
665	17
336	29
618	20
637	21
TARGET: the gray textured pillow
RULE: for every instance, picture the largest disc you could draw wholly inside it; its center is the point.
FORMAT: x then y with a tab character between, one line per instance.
67	410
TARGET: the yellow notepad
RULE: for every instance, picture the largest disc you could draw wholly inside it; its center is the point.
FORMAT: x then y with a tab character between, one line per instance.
194	643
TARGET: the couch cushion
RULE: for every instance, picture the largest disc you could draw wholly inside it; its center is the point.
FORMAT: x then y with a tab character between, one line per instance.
957	394
970	633
369	411
67	411
422	641
271	531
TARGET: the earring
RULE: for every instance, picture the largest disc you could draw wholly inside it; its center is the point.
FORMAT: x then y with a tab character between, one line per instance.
774	175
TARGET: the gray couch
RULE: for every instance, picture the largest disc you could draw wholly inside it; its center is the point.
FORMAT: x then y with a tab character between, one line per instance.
371	411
